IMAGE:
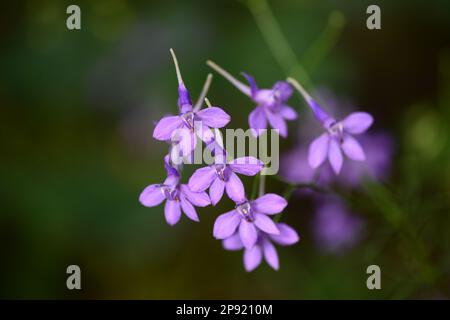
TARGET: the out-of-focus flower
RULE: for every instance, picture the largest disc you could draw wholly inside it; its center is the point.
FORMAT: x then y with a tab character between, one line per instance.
263	247
222	176
250	217
271	103
178	196
338	135
182	129
335	229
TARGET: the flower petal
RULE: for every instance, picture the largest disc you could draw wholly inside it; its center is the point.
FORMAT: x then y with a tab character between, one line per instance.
213	117
172	212
266	224
288	113
318	150
204	132
353	149
257	121
152	196
188	209
277	122
252	82
335	156
226	224
216	191
233	243
198	199
235	188
202	178
165	127
283	90
287	235
252	258
248	166
270	254
186	140
248	234
357	122
269	203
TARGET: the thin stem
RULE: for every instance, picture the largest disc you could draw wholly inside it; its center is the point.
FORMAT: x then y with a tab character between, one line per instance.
262	185
203	94
275	39
238	84
326	40
299	88
177	67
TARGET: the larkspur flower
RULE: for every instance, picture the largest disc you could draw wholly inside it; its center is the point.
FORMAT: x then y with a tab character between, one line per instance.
338	135
249	217
263	247
222	176
271	103
178	196
182	129
335	228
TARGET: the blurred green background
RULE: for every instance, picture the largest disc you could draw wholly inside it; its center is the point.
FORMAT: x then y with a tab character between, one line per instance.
77	113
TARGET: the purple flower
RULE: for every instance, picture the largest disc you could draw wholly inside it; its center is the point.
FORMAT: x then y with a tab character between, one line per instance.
222	176
249	217
263	247
338	135
335	229
178	197
183	128
271	103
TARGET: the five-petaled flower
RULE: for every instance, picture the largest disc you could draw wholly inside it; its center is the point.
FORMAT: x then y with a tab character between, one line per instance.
271	103
250	217
338	135
178	196
263	247
222	176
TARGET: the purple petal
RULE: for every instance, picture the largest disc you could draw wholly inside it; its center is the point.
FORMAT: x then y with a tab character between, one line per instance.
357	122
233	243
335	156
283	90
184	100
318	150
198	199
202	178
269	203
214	117
235	188
288	113
171	171
172	212
186	139
216	191
188	209
165	127
266	224
248	234
248	166
257	121
287	235
277	122
353	149
151	196
204	132
270	254
226	224
252	258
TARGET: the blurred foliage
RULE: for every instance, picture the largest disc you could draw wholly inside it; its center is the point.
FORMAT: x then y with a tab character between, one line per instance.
77	112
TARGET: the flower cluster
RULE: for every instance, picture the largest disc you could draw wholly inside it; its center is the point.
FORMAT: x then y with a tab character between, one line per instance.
249	226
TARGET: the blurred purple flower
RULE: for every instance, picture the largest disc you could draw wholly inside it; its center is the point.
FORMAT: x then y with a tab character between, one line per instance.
250	216
335	229
338	135
222	176
271	103
263	247
183	128
178	196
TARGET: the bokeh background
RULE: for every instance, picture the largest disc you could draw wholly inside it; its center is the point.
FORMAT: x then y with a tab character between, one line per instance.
77	113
